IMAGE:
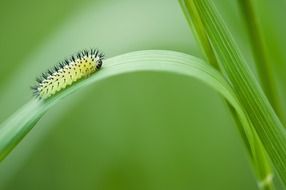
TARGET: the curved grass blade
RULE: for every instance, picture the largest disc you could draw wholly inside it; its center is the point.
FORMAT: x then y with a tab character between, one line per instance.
19	124
14	129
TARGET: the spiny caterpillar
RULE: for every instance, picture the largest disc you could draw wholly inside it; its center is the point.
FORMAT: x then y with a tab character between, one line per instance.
67	72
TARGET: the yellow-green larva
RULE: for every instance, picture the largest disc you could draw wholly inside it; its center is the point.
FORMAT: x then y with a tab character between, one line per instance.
67	72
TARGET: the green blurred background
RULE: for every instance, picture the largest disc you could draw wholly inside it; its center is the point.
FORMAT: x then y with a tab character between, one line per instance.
138	131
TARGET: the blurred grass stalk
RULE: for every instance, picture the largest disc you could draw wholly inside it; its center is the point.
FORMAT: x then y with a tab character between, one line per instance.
267	132
260	54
